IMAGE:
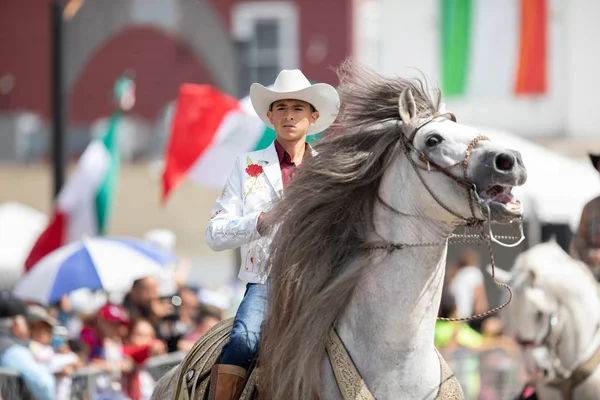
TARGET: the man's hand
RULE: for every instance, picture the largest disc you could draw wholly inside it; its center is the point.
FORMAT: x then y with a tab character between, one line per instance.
157	347
260	227
67	371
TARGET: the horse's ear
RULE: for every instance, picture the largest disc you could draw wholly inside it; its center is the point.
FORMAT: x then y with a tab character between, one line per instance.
407	106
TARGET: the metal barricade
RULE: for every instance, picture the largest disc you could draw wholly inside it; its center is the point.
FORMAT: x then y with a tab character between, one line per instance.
160	365
486	375
12	386
84	383
89	383
502	376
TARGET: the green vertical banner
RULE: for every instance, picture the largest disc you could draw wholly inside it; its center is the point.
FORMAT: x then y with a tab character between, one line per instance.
456	30
124	100
107	191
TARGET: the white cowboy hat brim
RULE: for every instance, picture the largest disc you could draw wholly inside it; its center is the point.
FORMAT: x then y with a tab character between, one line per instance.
323	97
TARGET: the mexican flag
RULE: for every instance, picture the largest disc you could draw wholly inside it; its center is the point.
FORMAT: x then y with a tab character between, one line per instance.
494	48
208	131
84	204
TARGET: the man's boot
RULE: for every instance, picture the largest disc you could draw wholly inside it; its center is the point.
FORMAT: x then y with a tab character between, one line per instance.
226	382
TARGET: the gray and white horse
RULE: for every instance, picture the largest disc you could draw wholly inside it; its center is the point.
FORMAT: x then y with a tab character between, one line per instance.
555	316
362	239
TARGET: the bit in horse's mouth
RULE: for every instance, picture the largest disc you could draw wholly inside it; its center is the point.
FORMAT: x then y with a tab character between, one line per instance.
502	195
496	191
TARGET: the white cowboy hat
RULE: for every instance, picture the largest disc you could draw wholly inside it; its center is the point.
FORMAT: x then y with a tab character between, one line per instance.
292	84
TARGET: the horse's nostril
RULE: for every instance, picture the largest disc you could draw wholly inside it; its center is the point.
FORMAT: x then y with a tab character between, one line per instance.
504	162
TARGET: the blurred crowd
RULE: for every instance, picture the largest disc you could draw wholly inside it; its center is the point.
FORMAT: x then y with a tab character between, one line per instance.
88	330
485	358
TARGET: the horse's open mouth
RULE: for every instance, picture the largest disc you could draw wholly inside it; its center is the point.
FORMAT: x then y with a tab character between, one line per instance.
501	196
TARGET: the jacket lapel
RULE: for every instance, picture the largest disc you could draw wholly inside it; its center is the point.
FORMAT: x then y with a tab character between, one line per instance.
272	169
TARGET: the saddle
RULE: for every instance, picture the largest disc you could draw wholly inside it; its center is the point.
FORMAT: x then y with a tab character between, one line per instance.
193	381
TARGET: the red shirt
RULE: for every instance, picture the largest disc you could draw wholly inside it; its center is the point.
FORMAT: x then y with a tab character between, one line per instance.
286	164
89	336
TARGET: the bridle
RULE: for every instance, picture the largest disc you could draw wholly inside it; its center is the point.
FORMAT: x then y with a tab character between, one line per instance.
551	340
462	181
348	371
406	142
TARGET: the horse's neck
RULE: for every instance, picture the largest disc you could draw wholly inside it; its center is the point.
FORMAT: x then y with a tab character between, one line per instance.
389	323
580	334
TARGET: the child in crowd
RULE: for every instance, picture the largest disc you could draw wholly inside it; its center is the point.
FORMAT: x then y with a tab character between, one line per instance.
49	347
206	317
140	345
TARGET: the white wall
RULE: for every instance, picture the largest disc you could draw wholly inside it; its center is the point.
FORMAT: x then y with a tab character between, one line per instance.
582	58
409	33
367	33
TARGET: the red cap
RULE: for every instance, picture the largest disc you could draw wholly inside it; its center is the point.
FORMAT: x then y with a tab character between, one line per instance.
114	313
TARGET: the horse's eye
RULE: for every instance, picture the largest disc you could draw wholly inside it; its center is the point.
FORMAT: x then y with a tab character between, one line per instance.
434	140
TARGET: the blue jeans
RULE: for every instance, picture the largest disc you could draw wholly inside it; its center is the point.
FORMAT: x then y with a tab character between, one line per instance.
245	334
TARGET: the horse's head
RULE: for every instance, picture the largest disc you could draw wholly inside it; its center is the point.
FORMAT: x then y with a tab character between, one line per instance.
555	300
543	279
535	317
462	170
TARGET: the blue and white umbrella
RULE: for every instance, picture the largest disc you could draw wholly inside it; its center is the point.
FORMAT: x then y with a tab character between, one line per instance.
100	263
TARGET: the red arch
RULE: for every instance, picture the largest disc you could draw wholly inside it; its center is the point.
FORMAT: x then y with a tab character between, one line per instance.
161	63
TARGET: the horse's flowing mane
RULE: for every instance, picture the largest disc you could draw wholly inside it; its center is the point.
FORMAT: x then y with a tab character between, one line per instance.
318	251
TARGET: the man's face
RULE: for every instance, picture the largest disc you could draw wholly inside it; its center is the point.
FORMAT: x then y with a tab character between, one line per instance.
145	291
41	332
291	118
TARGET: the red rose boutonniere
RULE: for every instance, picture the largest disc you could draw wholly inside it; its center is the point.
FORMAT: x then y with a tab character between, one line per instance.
254	170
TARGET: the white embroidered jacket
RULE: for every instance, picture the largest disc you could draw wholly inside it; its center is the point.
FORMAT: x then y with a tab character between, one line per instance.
252	187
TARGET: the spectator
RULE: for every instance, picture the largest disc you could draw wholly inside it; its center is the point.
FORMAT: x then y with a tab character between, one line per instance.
188	307
461	344
586	243
111	322
81	349
495	337
14	353
41	326
449	335
62	365
206	317
467	286
141	344
138	301
164	317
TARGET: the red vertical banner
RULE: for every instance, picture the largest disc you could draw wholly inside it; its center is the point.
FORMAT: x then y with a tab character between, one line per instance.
532	67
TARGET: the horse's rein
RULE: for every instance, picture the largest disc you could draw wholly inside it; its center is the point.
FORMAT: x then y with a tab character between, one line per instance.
473	221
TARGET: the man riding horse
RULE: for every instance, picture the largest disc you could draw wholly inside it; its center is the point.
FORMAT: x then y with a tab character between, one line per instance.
356	247
294	109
